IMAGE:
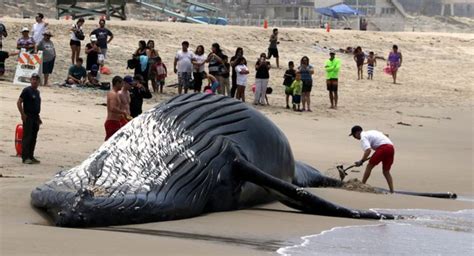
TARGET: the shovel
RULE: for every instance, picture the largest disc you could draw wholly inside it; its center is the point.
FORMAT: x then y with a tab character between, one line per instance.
343	172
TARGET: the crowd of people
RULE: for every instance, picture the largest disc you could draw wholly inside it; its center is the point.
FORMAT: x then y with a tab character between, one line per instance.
226	76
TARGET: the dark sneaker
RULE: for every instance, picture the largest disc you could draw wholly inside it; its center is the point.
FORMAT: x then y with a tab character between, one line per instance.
27	161
35	161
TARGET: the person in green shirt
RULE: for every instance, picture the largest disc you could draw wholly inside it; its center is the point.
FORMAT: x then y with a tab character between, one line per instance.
77	74
296	88
332	67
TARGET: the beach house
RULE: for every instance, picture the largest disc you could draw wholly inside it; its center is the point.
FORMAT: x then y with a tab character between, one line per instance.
383	15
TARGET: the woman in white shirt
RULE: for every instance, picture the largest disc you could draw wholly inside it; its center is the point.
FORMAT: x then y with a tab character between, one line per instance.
242	74
198	67
77	35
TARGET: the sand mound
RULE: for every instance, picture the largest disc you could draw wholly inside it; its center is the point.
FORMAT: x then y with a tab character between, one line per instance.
357	185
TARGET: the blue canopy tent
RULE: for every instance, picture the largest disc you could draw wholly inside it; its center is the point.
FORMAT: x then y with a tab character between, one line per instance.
337	11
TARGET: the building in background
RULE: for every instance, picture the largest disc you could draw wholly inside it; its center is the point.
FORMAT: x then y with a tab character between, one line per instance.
289	10
457	8
460	8
384	15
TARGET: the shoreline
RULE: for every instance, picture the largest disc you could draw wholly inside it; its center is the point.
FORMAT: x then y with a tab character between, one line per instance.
76	136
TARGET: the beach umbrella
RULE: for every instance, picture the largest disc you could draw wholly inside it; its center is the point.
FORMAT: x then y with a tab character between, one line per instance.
337	11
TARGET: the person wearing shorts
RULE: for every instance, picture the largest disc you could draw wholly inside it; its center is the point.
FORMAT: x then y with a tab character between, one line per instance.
114	113
75	42
384	152
332	67
104	37
306	70
296	88
272	48
183	67
49	55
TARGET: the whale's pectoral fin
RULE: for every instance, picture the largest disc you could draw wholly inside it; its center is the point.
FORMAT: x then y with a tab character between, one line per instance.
297	197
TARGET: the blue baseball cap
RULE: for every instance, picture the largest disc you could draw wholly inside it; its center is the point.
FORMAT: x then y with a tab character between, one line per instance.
128	79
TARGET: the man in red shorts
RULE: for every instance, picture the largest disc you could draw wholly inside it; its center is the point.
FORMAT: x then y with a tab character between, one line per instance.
114	112
384	152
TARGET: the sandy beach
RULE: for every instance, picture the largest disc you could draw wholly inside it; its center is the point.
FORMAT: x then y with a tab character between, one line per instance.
434	142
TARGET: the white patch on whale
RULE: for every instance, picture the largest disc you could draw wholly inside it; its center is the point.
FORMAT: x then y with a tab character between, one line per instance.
134	158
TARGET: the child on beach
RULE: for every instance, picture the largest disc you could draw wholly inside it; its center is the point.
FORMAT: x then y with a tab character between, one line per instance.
296	89
242	75
289	77
212	82
225	73
160	74
371	63
359	58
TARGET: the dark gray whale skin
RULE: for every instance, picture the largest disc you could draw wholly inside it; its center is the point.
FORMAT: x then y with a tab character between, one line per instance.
193	154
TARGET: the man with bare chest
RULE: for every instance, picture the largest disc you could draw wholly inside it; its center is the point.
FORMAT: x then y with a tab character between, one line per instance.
115	112
124	95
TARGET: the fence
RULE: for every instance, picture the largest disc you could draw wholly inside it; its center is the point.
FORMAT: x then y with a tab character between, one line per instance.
320	23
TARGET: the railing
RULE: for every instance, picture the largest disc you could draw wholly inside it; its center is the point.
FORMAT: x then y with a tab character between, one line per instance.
334	24
283	2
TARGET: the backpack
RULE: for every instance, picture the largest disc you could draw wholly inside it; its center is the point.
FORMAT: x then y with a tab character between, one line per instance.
132	63
79	33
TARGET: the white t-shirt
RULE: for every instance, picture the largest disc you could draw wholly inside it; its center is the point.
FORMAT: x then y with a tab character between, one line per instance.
38	30
241	78
200	59
184	61
73	35
373	139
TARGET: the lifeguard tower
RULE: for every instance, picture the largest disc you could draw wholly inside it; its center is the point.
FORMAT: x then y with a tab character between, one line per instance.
186	11
85	8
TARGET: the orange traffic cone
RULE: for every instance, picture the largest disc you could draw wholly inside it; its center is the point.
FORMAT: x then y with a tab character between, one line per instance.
265	24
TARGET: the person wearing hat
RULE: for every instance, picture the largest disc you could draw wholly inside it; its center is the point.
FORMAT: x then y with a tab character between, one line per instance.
49	55
332	67
25	41
384	152
138	92
93	76
29	105
39	28
92	52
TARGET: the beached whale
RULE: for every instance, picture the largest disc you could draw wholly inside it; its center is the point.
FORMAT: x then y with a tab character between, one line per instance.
193	154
